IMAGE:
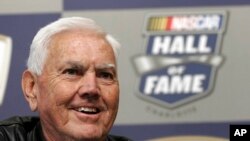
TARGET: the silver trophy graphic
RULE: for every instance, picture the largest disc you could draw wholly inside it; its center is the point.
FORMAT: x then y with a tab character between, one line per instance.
5	57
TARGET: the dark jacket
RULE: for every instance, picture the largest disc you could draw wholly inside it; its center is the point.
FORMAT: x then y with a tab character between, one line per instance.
29	129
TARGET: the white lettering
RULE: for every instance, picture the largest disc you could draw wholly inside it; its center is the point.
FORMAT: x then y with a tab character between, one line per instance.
174	84
150	84
196	22
161	45
180	45
239	132
197	84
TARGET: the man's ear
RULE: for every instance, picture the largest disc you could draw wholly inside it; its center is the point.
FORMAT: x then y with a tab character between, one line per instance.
29	87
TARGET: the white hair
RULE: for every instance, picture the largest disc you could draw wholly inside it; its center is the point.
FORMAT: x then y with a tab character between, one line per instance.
41	41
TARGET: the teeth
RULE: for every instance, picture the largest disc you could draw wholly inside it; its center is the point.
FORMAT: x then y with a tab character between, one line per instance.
85	109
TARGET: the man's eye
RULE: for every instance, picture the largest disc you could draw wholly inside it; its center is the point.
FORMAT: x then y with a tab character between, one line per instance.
71	72
106	75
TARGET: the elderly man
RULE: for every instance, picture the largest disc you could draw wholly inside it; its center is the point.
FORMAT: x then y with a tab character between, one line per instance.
71	81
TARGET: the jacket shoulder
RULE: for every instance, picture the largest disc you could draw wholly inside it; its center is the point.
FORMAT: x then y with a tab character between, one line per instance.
118	138
19	120
17	128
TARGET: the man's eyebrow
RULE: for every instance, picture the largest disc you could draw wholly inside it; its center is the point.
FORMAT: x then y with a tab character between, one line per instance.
75	64
106	66
79	64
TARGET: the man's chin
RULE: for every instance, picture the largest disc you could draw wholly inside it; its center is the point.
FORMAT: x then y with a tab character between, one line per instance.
88	132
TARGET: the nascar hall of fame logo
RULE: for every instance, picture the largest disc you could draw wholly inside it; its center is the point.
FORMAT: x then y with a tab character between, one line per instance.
182	57
5	56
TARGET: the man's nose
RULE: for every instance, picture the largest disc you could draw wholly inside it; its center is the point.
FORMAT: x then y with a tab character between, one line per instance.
89	86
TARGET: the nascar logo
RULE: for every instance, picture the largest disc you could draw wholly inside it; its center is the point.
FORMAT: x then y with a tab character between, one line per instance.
5	56
184	23
182	57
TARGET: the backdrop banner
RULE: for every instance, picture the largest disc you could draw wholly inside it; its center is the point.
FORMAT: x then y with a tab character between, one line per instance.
183	67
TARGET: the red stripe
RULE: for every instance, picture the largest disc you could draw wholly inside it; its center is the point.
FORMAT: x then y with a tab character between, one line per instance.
169	23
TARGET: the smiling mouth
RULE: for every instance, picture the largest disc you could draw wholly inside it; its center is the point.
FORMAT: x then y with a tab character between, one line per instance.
88	110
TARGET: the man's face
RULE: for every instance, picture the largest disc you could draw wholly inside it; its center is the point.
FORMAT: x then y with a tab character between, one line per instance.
78	90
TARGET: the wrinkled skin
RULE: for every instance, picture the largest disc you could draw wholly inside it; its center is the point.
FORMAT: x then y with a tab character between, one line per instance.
79	74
